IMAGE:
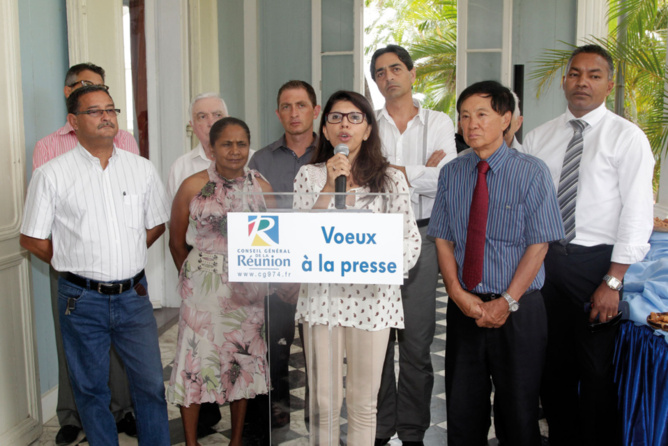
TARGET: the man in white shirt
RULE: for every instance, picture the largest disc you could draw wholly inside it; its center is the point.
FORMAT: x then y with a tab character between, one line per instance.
205	110
61	141
418	142
605	196
102	207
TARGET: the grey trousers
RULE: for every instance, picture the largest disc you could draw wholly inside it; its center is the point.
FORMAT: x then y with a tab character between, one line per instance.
403	406
66	409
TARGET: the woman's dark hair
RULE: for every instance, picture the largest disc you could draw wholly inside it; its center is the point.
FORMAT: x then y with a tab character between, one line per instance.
370	166
220	125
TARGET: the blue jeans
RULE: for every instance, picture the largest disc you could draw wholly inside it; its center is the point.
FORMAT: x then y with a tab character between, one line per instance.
127	320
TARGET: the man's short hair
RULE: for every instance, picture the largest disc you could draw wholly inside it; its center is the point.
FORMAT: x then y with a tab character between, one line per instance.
293	85
401	53
593	49
75	97
206	95
501	98
73	72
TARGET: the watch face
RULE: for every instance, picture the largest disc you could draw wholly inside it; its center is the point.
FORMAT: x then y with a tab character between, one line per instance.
514	307
613	283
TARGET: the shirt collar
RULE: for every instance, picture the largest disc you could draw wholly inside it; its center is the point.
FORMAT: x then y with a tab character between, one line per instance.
92	159
281	142
66	129
421	114
592	118
200	152
496	160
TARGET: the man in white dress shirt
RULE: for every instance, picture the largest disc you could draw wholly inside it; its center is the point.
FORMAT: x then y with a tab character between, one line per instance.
418	142
61	141
102	207
610	220
205	110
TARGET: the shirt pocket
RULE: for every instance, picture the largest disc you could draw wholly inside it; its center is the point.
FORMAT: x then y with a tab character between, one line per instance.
134	217
505	222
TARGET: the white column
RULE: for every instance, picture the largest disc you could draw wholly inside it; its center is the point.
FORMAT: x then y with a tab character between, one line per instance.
591	20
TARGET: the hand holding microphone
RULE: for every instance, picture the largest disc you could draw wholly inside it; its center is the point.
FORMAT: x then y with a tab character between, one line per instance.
340	182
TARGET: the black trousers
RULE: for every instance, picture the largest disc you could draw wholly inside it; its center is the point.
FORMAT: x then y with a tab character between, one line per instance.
578	394
511	357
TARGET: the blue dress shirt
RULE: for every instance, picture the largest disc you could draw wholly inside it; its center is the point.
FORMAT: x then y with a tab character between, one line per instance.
523	211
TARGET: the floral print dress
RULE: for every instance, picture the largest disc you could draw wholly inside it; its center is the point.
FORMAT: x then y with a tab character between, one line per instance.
221	353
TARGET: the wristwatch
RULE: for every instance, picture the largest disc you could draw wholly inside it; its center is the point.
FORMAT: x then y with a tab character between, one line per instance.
513	305
613	282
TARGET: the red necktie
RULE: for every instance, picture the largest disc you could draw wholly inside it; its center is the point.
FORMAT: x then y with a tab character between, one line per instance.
475	234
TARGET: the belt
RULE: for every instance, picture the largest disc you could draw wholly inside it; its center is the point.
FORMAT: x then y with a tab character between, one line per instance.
422	222
214	263
576	249
113	287
486	297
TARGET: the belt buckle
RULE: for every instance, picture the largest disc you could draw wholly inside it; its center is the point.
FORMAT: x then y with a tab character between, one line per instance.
100	285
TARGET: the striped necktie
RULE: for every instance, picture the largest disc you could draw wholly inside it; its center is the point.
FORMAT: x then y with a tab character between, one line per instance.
568	182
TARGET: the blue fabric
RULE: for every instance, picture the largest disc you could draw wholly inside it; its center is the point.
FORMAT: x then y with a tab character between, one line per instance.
95	322
641	372
523	210
646	282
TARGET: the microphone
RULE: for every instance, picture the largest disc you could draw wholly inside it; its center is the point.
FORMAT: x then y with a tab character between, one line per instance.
340	184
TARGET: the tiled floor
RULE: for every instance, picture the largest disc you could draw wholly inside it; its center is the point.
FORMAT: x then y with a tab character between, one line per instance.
296	433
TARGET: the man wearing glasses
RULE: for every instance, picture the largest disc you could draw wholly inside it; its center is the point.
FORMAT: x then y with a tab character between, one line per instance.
418	142
61	141
64	139
102	208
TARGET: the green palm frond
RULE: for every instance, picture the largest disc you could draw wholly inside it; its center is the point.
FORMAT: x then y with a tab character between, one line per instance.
550	65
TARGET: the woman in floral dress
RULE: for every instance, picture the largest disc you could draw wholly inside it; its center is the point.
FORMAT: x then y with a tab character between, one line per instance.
351	320
221	351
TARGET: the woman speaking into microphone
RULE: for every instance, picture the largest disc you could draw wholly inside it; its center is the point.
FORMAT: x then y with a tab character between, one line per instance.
351	320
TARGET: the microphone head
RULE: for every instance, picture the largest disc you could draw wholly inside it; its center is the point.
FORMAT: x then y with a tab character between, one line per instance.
341	148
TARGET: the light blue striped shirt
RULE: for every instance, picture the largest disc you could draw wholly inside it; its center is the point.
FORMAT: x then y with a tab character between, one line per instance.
523	211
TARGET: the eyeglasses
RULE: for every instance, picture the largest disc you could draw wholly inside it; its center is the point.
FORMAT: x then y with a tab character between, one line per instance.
86	84
99	113
353	117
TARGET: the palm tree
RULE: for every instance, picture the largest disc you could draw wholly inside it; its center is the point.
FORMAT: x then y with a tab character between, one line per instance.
428	30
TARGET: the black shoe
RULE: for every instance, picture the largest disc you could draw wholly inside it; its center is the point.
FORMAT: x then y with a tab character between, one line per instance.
381	441
67	434
127	425
412	443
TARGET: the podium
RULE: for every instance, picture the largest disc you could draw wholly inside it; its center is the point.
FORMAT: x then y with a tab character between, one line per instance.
332	294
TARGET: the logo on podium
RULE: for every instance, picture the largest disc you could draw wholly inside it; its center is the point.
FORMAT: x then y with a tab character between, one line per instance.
263	230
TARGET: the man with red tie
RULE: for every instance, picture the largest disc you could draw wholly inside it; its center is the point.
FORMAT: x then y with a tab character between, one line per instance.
495	213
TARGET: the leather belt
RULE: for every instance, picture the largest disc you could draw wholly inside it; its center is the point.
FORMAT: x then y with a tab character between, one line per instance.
572	248
487	297
113	287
